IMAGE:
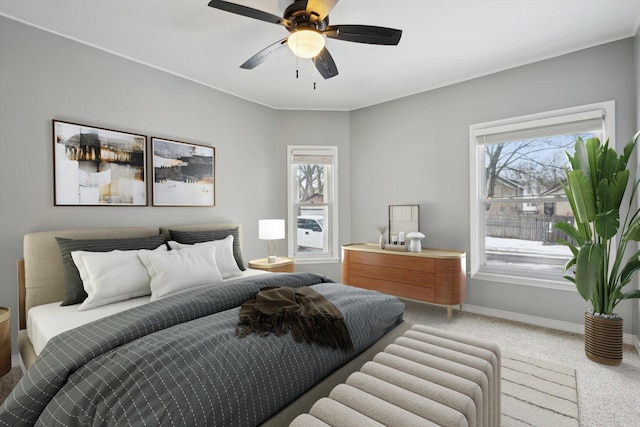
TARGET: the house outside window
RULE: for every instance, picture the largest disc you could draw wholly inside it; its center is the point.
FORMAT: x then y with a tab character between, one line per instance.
312	203
517	172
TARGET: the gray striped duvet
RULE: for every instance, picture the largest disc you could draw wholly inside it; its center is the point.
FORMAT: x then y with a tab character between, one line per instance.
177	361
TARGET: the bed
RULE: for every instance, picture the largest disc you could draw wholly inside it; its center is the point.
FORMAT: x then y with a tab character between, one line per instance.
176	358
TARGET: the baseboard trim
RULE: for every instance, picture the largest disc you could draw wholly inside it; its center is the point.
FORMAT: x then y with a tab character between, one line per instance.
541	321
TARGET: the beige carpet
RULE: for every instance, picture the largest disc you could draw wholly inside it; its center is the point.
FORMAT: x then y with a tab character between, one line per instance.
538	393
8	381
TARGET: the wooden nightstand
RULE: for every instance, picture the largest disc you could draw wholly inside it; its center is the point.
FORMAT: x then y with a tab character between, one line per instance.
282	265
5	340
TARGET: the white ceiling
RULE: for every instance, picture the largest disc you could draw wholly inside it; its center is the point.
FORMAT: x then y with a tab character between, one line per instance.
443	42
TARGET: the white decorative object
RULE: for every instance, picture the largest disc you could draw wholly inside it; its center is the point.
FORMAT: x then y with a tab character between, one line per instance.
399	248
383	238
383	241
401	238
415	238
271	230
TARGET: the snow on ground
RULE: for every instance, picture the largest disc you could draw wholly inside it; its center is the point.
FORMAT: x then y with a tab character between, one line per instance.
497	244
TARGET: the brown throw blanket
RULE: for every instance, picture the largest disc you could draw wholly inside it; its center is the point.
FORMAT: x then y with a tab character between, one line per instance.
303	311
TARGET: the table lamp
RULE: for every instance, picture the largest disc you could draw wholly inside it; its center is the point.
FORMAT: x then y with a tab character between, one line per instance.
271	229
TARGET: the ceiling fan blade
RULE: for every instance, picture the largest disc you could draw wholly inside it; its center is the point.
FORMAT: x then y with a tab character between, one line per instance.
317	10
364	34
261	56
249	12
325	65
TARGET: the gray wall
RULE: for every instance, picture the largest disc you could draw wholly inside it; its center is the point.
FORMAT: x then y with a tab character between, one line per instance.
45	77
413	150
416	150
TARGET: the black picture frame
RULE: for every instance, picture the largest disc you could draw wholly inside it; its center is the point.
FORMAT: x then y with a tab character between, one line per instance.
183	174
95	166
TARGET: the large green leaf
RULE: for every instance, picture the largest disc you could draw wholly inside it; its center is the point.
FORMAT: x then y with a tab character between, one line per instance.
632	266
574	250
589	264
617	188
608	163
581	160
628	149
632	233
571	231
631	294
583	196
607	224
594	153
583	229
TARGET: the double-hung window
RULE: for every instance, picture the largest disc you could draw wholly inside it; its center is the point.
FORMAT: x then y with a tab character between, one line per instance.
517	172
312	203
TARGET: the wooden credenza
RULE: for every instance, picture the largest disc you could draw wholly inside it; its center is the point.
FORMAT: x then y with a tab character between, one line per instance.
435	276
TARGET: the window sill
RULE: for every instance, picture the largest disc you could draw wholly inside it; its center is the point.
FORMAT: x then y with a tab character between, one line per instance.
490	276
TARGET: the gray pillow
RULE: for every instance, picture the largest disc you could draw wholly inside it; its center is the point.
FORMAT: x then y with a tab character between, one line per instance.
74	292
191	237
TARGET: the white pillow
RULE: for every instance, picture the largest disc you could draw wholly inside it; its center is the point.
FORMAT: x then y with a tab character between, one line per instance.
112	276
177	271
224	254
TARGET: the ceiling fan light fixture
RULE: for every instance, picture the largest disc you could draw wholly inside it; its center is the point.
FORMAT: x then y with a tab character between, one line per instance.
306	43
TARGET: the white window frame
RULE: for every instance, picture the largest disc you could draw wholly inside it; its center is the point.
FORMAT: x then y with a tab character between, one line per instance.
477	165
332	256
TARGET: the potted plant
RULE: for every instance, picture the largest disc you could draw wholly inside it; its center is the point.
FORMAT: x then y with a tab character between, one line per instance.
600	267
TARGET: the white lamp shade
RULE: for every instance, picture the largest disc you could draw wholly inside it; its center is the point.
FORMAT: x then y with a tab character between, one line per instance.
415	235
270	229
306	43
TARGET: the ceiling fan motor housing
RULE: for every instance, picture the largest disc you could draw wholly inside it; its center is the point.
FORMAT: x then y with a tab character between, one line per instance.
297	14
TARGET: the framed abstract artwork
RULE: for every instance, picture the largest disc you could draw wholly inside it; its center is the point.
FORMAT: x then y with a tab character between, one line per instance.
98	167
183	173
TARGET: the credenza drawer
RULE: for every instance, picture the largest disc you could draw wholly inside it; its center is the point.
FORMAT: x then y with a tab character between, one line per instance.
425	265
398	289
393	275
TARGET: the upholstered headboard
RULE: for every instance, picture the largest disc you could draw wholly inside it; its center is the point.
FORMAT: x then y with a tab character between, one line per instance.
41	276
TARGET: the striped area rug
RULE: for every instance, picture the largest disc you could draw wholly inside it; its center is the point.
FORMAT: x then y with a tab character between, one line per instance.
538	393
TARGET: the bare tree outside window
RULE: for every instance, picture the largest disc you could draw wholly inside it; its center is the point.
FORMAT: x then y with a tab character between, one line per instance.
536	164
310	180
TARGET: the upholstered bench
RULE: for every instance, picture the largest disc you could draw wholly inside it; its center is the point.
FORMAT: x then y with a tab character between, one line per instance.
426	377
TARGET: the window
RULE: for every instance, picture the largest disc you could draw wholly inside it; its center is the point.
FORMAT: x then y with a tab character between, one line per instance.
312	195
517	172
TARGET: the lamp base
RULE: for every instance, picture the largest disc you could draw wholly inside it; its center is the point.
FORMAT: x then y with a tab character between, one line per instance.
271	259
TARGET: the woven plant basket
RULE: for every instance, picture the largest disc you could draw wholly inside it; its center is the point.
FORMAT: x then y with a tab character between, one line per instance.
603	339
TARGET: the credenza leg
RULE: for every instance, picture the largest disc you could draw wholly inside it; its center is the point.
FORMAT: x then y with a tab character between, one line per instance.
449	308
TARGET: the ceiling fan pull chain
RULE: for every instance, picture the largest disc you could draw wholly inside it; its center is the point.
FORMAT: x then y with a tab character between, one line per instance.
297	59
314	73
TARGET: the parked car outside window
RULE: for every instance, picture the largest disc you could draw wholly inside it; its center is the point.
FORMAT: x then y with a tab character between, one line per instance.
310	231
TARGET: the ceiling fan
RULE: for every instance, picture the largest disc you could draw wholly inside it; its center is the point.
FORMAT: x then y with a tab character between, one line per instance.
308	23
